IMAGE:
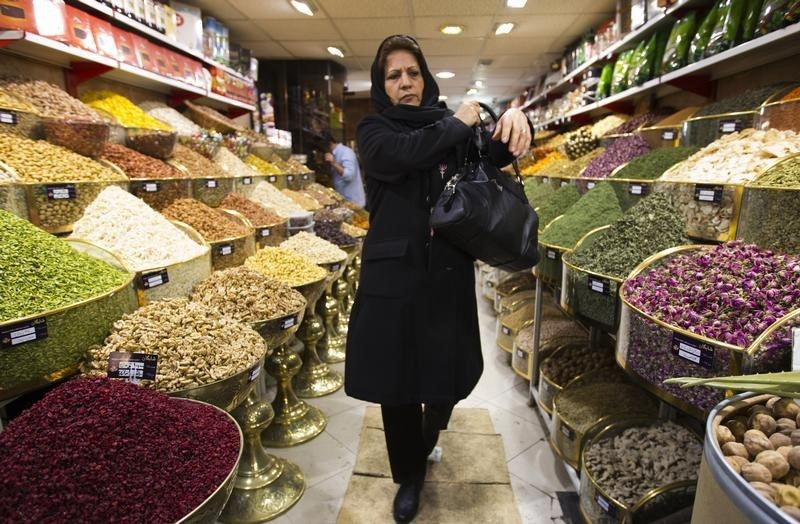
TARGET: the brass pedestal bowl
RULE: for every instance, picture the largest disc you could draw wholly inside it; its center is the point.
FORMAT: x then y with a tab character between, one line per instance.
332	343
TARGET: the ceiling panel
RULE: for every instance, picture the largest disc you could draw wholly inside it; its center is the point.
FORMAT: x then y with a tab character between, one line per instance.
363	47
372	28
516	46
536	7
457	61
266	49
446	46
272	9
541	25
504	73
504	61
220	9
298	30
474	26
450	7
310	49
366	9
245	30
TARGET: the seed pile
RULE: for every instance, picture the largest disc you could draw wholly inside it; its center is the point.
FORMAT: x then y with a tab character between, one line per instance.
747	101
49	99
772	216
39	272
195	344
596	208
198	165
554	205
784	175
572	361
333	234
306	202
517	319
93	446
172	118
285	265
316	186
9	101
233	165
315	248
266	194
212	224
137	165
653	164
257	214
536	191
126	112
247	295
123	224
262	165
639	459
322	197
644	119
605	125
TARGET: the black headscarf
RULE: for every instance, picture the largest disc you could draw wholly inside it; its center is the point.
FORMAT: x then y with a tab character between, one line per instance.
430	109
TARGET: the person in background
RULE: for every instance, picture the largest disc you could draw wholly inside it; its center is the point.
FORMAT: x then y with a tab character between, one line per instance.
345	173
413	344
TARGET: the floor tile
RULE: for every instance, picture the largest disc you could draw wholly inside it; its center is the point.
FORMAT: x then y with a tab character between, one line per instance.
515	400
540	467
534	505
319	458
335	403
518	434
346	427
320	504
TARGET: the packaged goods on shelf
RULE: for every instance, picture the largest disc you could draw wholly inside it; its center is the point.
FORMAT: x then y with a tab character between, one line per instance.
555	205
776	14
75	432
196	344
69	297
49	100
317	249
122	109
596	208
639	470
727	30
623	149
680	38
286	265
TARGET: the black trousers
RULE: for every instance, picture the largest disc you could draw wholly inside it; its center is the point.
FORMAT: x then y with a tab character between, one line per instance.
408	430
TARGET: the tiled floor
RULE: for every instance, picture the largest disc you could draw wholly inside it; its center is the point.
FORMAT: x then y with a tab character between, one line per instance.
535	471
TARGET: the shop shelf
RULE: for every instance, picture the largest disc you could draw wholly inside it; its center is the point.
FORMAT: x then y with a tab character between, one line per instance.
507	331
158	193
271	234
549	267
548	388
211	190
512	285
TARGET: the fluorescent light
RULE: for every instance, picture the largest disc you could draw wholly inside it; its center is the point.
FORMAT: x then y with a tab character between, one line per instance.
445	74
504	29
302	6
479	83
335	51
472	91
442	98
451	29
516	3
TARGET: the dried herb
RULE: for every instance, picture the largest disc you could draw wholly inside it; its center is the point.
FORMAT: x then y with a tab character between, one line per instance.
771	218
653	164
536	190
747	101
596	208
623	150
582	405
555	205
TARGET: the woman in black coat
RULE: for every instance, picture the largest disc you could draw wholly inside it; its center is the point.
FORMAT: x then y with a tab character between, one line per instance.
413	337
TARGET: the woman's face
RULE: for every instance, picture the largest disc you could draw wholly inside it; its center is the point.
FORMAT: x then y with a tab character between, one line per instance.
403	78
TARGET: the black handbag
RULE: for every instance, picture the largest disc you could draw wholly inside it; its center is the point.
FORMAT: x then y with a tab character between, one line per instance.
485	212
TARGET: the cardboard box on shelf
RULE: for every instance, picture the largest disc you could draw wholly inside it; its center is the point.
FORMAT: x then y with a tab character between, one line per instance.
125	49
79	29
17	14
175	65
104	37
160	57
145	52
188	25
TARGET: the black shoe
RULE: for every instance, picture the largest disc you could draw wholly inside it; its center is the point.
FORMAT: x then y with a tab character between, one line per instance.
406	502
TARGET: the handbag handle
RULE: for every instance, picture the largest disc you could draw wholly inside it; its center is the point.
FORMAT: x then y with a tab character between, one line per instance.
482	146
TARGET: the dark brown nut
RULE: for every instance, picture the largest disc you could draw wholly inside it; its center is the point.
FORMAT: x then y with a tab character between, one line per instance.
764	423
724	435
785	424
735	449
780	440
756	441
774	462
786	407
794	457
736	462
738	428
754	472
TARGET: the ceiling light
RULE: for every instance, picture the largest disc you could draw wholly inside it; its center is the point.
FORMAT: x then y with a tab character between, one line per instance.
472	91
451	29
445	74
302	6
479	83
504	29
442	98
516	3
335	51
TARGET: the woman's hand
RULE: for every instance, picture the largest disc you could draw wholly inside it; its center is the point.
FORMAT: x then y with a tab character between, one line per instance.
469	112
513	129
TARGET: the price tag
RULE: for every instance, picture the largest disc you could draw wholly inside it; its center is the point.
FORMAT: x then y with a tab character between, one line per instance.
211	183
289	177
151	187
693	350
254	372
565	183
545	179
506	330
61	192
668	135
9	118
520	353
547	389
288	322
590	185
550	253
727	127
132	366
489	284
600	285
606	506
225	249
335	267
28	331
796	349
567	432
246	181
264	232
637	189
305	176
156	278
272	179
708	193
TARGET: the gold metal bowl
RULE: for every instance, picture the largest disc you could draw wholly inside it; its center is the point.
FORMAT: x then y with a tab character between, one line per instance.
312	290
276	331
228	393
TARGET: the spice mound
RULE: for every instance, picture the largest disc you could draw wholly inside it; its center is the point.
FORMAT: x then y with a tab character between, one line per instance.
39	272
622	150
125	111
553	205
315	248
137	165
257	214
123	224
639	459
268	195
212	224
655	163
596	208
195	344
286	265
247	295
92	447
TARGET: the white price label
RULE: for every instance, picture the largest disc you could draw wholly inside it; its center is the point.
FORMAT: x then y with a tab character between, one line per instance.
506	330
272	179
591	185
265	232
796	349
636	189
551	254
7	117
706	196
246	181
565	183
254	372
520	353
151	187
668	135
211	184
305	177
225	250
289	177
545	180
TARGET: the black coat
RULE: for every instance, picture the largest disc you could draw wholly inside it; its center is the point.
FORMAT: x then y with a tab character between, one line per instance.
413	334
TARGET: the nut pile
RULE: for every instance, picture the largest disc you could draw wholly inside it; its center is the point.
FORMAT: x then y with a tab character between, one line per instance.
580	143
247	295
268	195
123	224
306	202
572	361
137	165
262	165
333	234
320	196
198	165
232	164
762	444
212	224
353	231
126	112
195	344
316	186
257	214
642	458
285	265
171	117
336	215
608	123
49	99
318	250
9	101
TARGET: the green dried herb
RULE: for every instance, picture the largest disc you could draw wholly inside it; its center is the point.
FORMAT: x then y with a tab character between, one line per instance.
39	272
582	405
746	101
653	164
652	225
785	174
536	190
554	205
596	208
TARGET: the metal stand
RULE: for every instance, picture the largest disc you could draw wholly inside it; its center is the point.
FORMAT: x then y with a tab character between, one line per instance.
537	326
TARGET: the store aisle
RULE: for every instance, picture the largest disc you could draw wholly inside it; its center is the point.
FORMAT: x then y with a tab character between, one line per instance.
536	473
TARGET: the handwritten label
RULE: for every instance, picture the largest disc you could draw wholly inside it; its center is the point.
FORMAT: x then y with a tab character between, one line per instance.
272	179
796	349
150	187
264	232
708	193
211	183
288	322
132	366
506	330
246	181
156	278
668	135
550	253
225	249
61	192
727	127
600	285
9	118
254	372
24	332
693	350
637	189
